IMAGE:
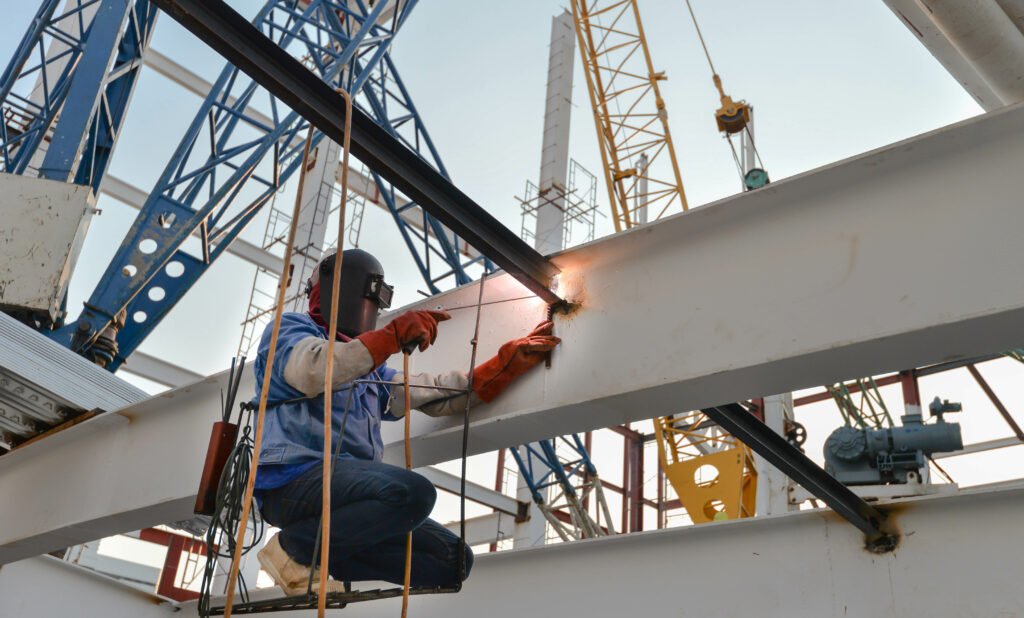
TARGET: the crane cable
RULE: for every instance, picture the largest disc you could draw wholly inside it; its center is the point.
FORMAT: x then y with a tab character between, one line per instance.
718	84
700	36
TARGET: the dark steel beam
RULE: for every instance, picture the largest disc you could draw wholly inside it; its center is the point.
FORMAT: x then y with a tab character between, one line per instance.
996	401
738	421
853	387
244	46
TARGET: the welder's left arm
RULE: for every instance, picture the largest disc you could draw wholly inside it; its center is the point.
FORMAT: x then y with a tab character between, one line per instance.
490	379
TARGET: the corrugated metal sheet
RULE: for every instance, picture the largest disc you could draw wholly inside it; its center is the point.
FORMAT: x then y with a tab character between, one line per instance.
42	384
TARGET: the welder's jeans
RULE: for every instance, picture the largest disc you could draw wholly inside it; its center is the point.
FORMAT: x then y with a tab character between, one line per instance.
373	507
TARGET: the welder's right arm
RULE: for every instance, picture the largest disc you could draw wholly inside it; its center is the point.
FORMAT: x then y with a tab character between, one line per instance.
307	362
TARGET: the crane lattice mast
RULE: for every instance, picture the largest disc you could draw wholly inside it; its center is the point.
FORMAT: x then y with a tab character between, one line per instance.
637	154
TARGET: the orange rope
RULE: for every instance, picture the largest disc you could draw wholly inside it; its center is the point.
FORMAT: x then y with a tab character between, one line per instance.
332	324
282	287
408	466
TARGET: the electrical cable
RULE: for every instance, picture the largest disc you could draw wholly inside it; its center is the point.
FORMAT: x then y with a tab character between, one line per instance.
230	492
465	437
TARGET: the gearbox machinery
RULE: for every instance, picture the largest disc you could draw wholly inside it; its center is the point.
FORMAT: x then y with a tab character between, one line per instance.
892	454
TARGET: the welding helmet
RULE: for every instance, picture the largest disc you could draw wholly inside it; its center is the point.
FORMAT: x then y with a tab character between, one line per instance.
362	294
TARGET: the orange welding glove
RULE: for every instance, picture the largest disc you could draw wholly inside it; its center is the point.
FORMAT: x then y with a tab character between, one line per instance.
411	327
513	360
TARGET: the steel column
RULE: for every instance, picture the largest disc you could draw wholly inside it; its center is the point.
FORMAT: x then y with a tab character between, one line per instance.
636	485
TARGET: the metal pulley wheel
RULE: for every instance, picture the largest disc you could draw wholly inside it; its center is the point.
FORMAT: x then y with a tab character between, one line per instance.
755	179
846	443
732	117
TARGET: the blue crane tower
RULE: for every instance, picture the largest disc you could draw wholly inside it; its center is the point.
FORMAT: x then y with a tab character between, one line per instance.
228	164
65	92
64	97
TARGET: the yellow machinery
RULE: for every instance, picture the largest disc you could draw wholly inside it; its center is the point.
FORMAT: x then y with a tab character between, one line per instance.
712	472
637	154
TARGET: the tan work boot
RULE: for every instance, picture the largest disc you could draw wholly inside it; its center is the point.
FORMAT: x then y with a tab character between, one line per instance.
289	575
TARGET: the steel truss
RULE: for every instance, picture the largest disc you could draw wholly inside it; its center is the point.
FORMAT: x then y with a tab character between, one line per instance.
66	90
870	413
639	159
575	481
229	165
244	45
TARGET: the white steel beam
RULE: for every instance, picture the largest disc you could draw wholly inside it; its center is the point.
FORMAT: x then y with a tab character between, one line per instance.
919	22
980	43
898	258
981	447
474	492
484	529
804	563
773	487
159	370
116	472
311	231
136	197
972	539
28	589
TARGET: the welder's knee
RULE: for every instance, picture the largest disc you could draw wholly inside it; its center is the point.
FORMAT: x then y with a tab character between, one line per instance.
420	496
469	563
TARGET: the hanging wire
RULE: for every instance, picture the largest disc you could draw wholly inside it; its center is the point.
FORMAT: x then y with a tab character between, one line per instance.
465	436
220	542
735	156
753	146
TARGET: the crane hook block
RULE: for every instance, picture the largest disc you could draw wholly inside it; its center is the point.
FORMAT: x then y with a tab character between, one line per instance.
733	116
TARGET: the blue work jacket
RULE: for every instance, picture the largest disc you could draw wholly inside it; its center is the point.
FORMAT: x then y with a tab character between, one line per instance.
293	427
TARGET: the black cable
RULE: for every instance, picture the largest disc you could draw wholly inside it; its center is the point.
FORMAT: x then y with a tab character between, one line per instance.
465	439
226	515
230	493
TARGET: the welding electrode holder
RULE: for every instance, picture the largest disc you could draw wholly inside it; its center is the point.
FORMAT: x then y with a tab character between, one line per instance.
411	346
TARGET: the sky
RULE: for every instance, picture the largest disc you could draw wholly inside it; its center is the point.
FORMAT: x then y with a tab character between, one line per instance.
829	79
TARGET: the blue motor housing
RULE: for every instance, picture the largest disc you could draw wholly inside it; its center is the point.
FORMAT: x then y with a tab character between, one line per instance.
882	456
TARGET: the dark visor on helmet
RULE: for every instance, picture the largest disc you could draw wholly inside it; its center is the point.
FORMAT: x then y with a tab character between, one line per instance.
378	291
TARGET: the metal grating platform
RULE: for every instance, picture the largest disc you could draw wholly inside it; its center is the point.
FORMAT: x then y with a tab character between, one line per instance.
335	600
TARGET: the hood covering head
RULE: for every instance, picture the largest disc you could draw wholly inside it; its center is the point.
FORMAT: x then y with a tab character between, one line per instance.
361	295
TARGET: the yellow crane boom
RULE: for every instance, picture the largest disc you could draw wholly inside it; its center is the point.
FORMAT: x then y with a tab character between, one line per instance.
637	154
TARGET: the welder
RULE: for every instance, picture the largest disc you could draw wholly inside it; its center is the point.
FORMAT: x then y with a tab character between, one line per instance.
373	504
